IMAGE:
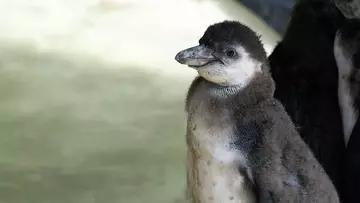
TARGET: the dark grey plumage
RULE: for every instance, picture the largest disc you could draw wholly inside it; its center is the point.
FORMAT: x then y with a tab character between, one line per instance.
347	54
306	77
349	8
242	145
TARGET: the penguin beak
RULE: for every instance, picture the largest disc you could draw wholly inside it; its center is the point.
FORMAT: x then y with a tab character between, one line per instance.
196	56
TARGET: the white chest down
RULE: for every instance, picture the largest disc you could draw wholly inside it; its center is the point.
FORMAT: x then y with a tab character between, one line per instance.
349	113
220	180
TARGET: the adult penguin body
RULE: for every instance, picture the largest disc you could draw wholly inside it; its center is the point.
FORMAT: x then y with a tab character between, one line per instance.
347	54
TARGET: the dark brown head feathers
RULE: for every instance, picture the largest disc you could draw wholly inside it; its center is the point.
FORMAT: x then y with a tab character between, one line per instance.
235	32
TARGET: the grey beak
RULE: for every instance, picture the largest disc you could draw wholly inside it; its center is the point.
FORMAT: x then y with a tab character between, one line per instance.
195	56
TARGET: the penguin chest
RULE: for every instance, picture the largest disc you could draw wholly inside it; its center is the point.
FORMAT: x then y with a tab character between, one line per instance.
349	113
214	174
222	183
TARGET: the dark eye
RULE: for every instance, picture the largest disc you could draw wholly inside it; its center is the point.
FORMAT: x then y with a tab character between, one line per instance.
230	53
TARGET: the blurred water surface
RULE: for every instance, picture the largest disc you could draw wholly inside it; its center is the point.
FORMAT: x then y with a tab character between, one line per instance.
91	99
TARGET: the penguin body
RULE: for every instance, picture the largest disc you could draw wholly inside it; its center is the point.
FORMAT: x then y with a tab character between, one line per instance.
347	54
242	145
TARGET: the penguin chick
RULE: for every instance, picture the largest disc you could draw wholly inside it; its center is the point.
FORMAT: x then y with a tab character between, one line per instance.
349	8
242	145
347	55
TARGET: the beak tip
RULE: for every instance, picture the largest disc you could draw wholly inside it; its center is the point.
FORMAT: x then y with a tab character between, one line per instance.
178	58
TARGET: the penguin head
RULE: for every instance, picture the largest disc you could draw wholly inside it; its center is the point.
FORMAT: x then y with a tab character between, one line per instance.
229	53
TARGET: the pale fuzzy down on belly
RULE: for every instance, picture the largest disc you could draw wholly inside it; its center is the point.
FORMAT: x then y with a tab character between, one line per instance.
220	183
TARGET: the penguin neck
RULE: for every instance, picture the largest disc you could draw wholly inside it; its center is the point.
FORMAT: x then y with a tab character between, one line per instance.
260	88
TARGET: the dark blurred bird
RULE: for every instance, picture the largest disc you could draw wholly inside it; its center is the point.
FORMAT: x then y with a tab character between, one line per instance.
347	54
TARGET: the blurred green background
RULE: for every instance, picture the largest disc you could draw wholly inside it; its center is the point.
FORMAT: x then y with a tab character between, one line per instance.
92	100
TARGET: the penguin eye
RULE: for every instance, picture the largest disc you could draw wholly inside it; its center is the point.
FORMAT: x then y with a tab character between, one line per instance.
230	53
